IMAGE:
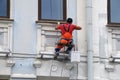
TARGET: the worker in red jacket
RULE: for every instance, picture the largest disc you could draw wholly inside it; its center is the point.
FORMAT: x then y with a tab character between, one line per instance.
66	37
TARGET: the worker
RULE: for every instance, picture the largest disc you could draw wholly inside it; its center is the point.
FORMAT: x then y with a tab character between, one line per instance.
66	36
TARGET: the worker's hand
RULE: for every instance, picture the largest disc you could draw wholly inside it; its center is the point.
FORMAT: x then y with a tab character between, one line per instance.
56	28
78	28
58	23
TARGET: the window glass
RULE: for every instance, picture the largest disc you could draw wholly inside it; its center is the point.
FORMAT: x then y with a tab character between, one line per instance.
115	11
52	9
3	8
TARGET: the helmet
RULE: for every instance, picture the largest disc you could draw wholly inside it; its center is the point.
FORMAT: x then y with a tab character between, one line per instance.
69	20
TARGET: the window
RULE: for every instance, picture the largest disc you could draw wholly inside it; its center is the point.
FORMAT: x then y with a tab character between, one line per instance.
51	9
4	8
113	12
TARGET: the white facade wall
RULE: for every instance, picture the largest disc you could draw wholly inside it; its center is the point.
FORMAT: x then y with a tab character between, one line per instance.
28	38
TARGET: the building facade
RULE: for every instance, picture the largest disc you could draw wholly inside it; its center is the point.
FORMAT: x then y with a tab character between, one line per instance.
28	37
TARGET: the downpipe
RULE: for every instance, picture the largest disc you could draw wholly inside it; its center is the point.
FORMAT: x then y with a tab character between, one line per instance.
89	40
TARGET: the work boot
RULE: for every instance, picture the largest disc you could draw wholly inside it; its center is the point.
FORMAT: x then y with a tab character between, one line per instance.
55	57
68	51
56	54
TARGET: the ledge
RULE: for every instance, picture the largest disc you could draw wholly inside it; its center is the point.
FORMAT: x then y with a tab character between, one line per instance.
25	76
4	53
115	58
113	25
6	20
4	77
116	54
49	21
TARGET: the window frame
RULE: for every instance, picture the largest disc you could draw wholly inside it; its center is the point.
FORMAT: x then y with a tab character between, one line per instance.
50	20
109	16
8	10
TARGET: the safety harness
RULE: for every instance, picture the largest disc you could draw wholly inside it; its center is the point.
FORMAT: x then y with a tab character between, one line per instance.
66	36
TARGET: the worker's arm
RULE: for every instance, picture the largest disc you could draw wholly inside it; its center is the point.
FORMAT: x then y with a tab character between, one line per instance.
57	27
78	28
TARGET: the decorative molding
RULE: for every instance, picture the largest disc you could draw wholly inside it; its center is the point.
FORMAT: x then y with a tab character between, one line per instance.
54	68
45	34
37	64
113	38
109	68
10	63
115	57
26	76
7	25
69	66
5	52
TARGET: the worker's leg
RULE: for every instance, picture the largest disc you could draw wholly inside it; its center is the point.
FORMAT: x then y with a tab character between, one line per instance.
57	49
59	46
70	46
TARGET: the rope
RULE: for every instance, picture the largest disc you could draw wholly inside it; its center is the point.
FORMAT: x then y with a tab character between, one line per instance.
57	38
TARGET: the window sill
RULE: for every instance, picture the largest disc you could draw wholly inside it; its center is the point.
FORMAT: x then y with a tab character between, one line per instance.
113	25
115	57
50	22
4	52
6	20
